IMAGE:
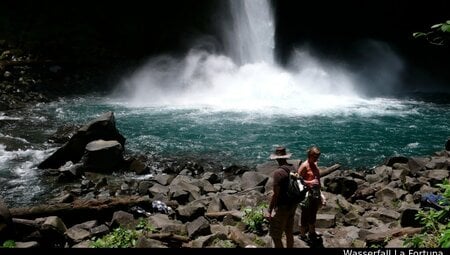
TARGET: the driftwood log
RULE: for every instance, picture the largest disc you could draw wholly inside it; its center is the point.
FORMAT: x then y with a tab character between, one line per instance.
234	213
25	222
396	232
329	170
82	210
167	237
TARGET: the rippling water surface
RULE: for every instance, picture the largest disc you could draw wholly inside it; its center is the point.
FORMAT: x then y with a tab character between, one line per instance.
358	135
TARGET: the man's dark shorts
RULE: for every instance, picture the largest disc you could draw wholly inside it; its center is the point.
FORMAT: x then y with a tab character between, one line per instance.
282	221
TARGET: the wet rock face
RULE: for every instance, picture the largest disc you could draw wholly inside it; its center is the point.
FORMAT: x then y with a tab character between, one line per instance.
64	133
103	156
104	128
5	221
18	89
27	78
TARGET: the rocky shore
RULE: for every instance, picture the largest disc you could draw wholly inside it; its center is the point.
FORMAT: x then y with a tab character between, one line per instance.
187	202
190	203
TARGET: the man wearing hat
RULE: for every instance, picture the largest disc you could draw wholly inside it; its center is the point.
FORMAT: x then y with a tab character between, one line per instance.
281	211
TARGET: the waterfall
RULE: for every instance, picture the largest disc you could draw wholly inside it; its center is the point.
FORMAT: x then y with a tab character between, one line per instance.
246	76
250	38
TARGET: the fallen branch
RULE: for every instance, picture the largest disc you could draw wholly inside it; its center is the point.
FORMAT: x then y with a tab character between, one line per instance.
329	170
234	213
25	222
167	236
82	210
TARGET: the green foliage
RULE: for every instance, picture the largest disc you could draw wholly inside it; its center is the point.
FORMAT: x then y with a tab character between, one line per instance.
119	238
436	225
416	241
9	244
444	27
376	246
439	34
396	203
444	241
254	217
145	226
446	187
259	242
223	243
122	237
429	220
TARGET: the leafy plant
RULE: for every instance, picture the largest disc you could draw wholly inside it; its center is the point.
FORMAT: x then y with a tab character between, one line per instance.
254	217
223	243
9	244
429	220
145	226
259	242
416	241
396	203
376	246
437	35
119	238
122	237
444	241
436	225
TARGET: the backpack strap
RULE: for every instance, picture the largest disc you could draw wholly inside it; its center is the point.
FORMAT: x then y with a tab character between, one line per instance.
288	169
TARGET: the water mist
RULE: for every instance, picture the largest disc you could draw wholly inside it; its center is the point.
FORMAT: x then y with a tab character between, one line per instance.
246	78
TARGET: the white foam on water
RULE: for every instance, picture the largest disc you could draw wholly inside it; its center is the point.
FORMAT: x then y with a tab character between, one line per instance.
16	138
412	145
248	79
22	163
6	117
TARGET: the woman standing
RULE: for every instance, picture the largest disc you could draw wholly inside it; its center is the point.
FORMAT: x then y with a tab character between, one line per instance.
310	173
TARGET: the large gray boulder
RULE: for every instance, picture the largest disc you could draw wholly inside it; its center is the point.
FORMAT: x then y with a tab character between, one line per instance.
103	127
103	156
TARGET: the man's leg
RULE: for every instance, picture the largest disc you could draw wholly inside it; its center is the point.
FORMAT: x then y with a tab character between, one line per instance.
277	242
289	227
277	225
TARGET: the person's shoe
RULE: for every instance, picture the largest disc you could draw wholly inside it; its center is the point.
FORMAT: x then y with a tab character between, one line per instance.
313	236
304	238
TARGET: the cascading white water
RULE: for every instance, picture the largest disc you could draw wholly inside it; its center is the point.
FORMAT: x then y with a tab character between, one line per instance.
247	78
252	32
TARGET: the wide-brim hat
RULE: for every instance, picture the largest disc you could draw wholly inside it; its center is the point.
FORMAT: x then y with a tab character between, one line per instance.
280	153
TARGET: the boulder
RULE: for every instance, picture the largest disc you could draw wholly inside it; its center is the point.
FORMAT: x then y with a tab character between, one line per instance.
104	128
103	156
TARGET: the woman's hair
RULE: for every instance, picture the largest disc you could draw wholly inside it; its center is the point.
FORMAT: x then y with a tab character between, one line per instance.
313	150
